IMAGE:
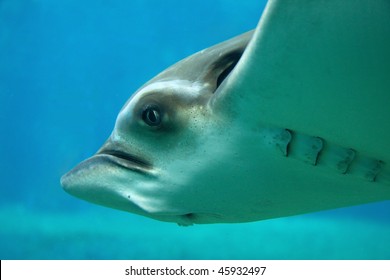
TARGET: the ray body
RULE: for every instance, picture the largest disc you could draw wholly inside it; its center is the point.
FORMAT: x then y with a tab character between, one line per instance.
290	119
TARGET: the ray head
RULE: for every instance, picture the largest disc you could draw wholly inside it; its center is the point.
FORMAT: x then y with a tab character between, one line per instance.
162	136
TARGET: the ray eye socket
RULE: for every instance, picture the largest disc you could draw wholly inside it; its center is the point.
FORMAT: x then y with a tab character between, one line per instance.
152	115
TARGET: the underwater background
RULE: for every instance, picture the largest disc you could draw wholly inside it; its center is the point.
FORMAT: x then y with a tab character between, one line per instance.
66	69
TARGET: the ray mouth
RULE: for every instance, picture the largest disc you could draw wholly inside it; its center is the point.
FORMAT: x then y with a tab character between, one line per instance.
125	160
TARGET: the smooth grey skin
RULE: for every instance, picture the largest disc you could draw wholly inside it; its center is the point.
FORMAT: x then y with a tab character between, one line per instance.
290	119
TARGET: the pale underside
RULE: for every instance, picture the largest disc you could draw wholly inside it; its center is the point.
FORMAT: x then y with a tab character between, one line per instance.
314	85
322	69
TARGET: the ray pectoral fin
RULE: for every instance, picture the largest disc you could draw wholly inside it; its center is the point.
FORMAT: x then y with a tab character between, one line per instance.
320	68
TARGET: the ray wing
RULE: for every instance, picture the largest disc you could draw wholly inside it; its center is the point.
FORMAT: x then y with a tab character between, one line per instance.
321	68
317	73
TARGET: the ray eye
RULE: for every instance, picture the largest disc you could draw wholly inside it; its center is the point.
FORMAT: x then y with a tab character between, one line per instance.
151	115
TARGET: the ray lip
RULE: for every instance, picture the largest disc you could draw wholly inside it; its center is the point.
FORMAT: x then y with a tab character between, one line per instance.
126	160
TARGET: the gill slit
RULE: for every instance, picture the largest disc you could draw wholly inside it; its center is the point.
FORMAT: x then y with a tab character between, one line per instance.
318	152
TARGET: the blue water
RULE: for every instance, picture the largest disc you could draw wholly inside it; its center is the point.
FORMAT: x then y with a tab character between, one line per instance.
66	68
